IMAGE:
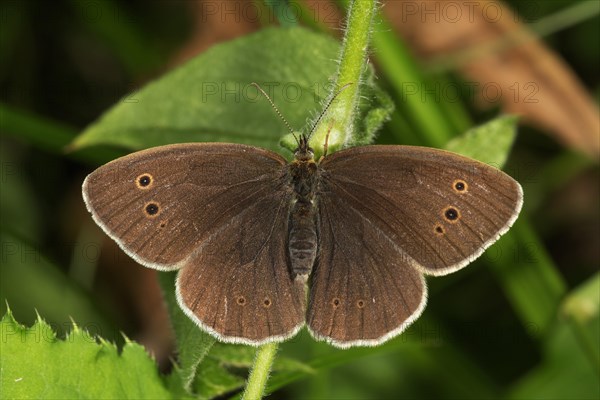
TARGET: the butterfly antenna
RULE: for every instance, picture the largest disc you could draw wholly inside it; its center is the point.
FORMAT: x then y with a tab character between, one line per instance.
276	110
327	107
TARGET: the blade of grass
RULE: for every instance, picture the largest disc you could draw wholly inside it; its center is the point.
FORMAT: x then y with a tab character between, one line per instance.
309	17
284	13
452	105
51	136
41	132
528	276
408	83
111	23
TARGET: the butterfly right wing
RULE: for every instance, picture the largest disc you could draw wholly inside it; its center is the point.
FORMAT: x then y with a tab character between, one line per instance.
386	215
362	290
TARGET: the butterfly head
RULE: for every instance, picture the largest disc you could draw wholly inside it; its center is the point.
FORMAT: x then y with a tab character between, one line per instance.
304	152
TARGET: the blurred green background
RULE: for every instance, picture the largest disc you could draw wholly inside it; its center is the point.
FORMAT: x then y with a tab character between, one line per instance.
521	322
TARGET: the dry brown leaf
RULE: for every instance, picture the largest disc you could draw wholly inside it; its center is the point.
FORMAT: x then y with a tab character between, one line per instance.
219	21
522	74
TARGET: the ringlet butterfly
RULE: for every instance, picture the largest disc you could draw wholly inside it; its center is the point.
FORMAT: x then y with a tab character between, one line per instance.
246	229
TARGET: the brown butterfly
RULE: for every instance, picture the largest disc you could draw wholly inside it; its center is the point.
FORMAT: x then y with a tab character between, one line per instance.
250	232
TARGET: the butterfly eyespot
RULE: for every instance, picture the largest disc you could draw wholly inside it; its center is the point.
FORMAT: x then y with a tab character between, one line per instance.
460	186
335	303
152	209
241	300
360	304
267	302
144	181
439	230
451	214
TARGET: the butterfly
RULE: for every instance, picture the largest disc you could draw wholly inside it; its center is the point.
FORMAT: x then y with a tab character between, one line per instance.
339	244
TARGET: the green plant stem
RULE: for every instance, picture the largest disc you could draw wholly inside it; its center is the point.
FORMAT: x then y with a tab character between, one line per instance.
339	123
257	381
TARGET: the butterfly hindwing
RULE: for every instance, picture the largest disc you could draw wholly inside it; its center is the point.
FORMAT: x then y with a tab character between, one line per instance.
238	286
362	290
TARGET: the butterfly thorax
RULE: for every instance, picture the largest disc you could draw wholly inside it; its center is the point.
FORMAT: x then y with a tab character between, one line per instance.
302	225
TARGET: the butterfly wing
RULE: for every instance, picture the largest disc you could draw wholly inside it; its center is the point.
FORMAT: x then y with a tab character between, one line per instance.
362	290
160	204
238	286
218	212
387	213
440	209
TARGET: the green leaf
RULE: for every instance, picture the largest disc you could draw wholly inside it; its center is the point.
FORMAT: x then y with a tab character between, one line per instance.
375	108
25	270
37	365
192	343
214	380
240	356
210	97
566	371
224	368
579	309
489	143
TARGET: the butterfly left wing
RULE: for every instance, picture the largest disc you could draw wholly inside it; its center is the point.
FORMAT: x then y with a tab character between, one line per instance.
160	204
217	211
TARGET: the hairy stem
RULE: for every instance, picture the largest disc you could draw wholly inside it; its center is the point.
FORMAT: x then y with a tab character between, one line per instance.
339	122
257	381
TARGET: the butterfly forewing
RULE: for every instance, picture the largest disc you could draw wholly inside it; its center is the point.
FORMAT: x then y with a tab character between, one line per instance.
161	204
440	210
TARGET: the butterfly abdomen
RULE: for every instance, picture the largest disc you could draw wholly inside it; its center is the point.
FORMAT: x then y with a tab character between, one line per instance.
302	239
302	242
